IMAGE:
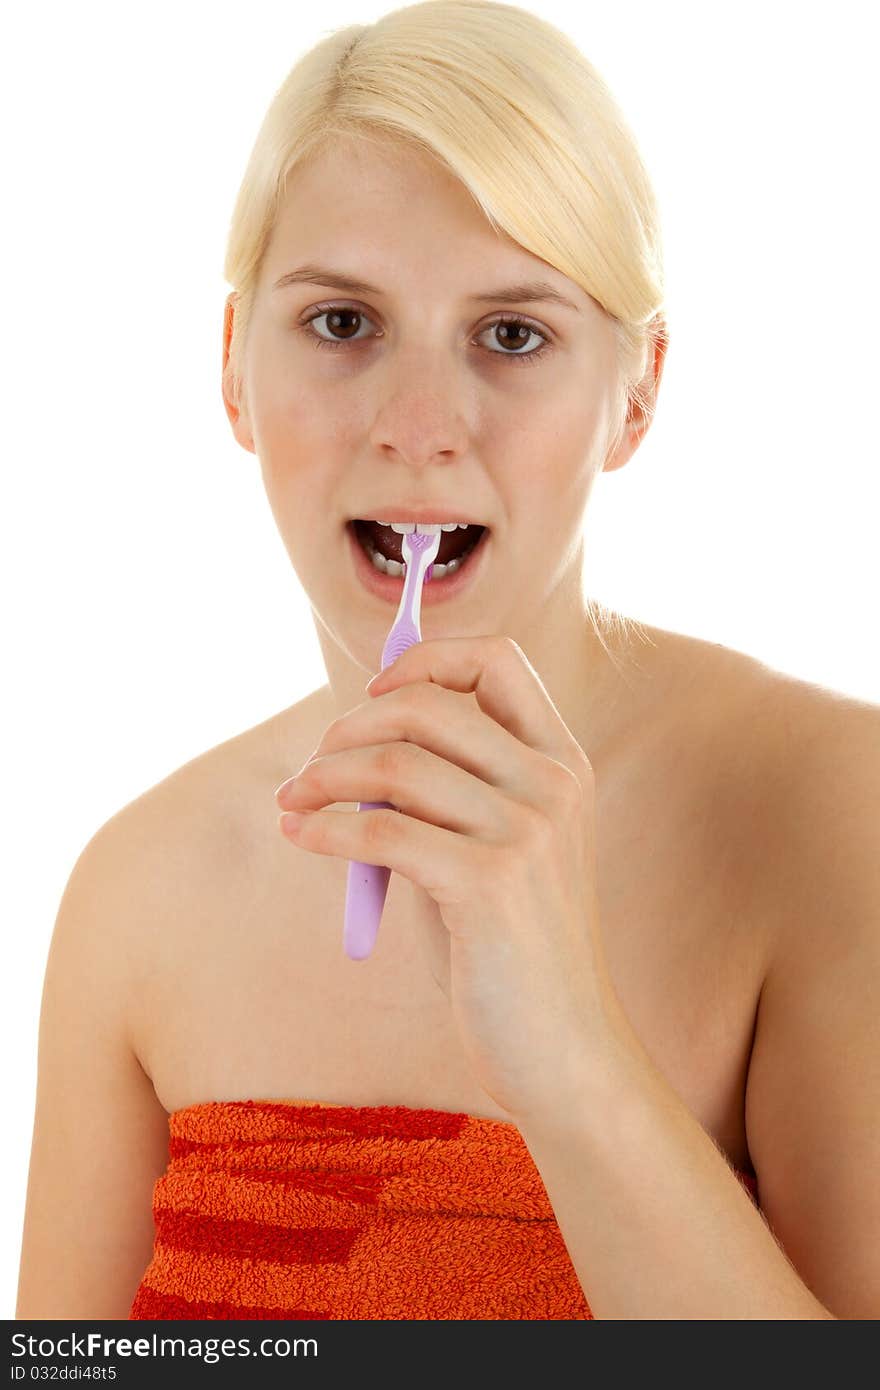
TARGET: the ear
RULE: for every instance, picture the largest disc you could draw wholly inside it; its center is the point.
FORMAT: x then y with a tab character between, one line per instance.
235	409
638	421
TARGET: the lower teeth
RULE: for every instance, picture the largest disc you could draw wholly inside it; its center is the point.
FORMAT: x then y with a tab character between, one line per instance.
396	568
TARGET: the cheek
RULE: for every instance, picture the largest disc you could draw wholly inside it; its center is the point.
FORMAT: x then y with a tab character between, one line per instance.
302	446
294	408
551	445
319	418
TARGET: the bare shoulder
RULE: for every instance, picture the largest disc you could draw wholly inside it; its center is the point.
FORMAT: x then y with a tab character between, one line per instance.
807	715
776	722
193	849
201	815
145	909
822	781
810	758
784	771
813	1092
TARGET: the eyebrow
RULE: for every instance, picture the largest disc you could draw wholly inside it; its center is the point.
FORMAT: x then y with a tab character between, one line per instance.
524	291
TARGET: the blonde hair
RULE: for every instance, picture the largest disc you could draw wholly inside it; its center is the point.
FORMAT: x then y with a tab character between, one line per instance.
511	107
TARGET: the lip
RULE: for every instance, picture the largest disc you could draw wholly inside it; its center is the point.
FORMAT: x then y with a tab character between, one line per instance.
390	587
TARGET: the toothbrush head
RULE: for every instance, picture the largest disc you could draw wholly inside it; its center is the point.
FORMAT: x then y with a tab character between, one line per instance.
422	540
419	551
418	543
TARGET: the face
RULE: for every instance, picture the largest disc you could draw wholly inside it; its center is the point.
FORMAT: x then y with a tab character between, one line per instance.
422	393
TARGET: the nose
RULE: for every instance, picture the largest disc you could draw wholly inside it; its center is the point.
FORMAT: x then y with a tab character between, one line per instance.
420	416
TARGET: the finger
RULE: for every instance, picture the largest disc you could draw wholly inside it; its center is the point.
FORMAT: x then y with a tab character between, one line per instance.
414	780
507	687
450	725
449	867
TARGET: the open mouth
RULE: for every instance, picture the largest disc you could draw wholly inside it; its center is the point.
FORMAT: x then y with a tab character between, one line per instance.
384	547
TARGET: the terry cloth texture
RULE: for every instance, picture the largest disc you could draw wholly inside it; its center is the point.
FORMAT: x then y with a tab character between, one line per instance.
307	1210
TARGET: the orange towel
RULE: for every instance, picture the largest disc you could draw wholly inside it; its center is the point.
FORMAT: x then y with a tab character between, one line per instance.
304	1210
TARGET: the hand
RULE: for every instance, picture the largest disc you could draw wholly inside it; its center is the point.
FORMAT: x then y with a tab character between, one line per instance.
496	827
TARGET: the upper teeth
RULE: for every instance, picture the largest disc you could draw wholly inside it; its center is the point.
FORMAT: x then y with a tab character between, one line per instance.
430	528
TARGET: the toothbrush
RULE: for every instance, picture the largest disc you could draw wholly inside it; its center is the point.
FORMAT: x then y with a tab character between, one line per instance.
368	883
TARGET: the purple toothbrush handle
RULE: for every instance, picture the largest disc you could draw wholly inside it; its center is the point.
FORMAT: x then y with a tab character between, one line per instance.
364	899
367	884
404	634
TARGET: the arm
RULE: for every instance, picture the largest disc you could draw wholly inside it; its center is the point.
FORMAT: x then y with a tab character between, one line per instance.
654	1219
100	1136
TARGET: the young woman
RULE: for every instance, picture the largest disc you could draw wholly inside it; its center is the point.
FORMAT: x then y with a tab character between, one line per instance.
614	1053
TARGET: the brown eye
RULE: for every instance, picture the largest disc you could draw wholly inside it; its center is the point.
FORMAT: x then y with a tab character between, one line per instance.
344	322
515	334
339	322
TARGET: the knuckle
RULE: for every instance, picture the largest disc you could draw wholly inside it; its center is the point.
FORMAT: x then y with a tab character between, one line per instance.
394	759
430	702
490	869
493	867
532	828
419	693
380	827
542	831
417	707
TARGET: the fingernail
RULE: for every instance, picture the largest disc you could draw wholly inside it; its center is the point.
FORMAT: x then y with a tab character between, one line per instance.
292	820
286	786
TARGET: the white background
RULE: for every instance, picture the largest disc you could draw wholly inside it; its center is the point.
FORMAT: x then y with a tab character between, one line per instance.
150	611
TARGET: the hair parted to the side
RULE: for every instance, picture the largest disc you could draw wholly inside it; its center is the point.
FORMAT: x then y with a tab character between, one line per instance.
510	105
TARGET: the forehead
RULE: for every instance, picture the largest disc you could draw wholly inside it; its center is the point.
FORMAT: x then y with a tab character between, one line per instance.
383	170
388	210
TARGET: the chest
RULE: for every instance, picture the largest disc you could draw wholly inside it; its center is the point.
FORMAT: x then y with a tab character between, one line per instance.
258	1001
